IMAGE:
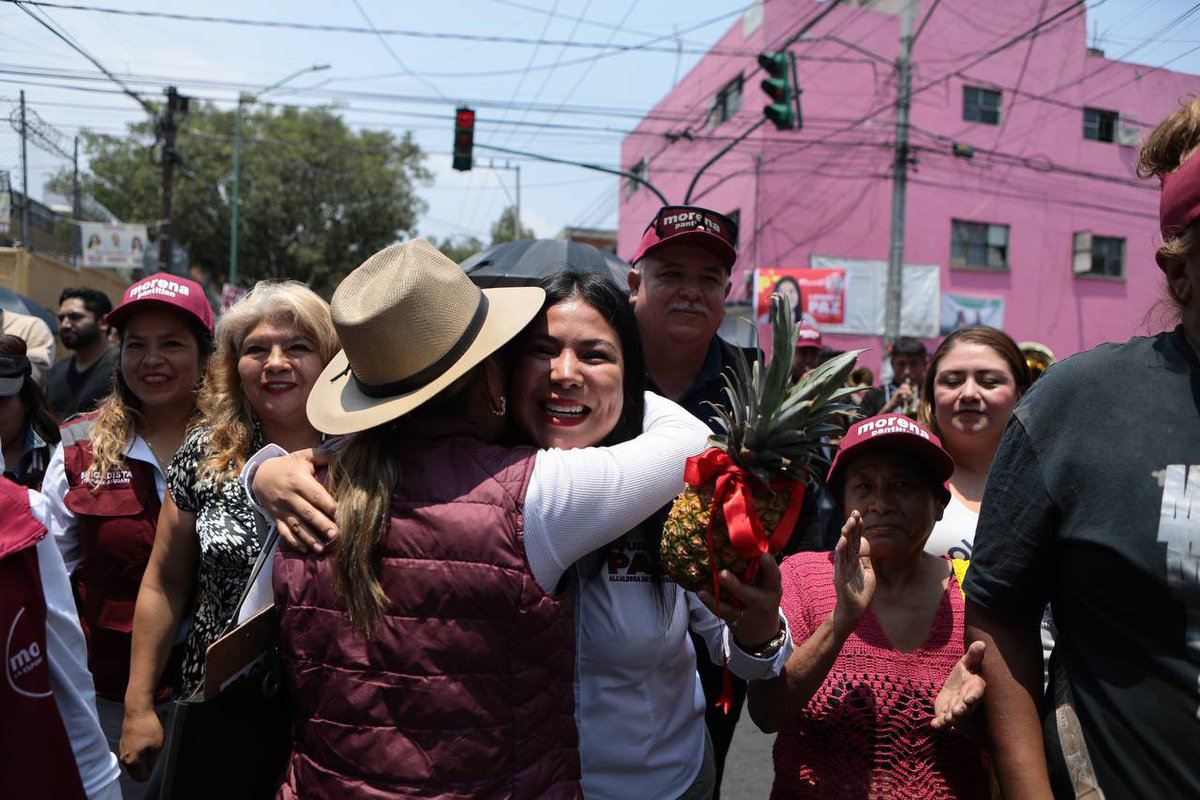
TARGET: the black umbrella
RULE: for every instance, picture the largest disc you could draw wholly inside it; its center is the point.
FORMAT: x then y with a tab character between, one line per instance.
21	304
526	262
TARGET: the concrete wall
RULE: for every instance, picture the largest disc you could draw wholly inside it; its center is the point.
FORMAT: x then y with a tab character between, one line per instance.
826	189
43	278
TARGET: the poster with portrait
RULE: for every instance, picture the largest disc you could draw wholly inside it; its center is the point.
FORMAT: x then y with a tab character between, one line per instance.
960	310
817	295
112	244
5	205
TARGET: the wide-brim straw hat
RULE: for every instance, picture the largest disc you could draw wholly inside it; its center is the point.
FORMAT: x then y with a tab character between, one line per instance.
411	323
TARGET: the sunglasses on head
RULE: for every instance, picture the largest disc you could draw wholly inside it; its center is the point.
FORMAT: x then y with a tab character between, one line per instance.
678	219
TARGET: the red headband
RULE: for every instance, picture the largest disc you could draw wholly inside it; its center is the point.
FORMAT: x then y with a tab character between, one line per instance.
1179	205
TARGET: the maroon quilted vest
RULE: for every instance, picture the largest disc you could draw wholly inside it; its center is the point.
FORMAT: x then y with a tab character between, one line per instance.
464	689
117	522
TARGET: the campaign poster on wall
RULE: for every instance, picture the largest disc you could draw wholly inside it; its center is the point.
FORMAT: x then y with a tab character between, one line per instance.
960	310
112	244
865	288
817	295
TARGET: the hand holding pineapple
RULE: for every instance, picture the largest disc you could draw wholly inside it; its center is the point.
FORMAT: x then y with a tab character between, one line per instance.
853	576
750	609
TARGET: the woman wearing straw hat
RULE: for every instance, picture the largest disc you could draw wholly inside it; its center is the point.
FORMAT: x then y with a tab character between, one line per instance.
424	657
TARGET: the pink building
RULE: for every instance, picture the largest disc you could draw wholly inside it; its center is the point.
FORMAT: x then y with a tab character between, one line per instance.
1051	127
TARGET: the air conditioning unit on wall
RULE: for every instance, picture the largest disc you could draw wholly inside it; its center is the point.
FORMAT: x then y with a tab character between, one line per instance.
1128	134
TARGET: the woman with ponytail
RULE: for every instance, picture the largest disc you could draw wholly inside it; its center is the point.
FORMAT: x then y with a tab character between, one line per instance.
1087	507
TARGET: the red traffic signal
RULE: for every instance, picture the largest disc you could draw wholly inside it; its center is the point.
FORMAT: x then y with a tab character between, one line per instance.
464	138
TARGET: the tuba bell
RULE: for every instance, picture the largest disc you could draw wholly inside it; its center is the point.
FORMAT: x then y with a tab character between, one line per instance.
1038	358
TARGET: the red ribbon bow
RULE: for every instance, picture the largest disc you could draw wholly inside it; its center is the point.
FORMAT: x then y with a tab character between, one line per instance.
733	494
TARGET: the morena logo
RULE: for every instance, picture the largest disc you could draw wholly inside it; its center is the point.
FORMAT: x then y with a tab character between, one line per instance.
24	660
884	425
158	286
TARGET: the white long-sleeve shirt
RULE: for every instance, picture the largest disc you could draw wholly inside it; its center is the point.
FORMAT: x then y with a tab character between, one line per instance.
70	680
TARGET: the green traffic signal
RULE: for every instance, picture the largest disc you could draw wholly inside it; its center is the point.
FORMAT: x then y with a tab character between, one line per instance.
778	87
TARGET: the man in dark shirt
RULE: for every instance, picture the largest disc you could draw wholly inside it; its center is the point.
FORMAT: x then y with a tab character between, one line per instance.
77	383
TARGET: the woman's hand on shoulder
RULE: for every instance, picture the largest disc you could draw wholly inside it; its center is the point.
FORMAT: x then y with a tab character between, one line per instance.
963	690
750	609
853	576
288	490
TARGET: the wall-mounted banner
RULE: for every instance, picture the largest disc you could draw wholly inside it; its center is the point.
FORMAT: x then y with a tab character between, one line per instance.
817	295
111	244
960	310
865	307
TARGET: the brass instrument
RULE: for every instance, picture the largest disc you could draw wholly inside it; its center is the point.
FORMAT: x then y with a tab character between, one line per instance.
912	403
1038	358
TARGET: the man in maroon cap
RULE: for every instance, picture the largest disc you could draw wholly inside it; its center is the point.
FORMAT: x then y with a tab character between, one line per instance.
808	351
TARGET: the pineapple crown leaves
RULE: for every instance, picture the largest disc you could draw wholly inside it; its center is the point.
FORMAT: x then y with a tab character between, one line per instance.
771	425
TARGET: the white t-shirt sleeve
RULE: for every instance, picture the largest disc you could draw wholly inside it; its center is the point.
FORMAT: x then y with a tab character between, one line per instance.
61	521
70	680
579	500
265	454
719	641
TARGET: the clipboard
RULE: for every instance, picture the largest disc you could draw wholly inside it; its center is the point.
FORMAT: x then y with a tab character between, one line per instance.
240	651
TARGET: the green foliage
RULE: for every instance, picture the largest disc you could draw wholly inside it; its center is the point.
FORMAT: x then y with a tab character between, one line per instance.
508	228
316	198
458	248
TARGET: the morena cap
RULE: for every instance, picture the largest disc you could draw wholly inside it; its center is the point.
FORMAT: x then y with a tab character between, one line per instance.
808	336
14	370
892	432
411	323
676	224
162	289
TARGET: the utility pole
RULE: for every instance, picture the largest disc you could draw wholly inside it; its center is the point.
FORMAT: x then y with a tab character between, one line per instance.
76	192
168	126
25	237
895	273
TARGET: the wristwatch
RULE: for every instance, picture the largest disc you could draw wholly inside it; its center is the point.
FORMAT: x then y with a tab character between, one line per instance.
772	645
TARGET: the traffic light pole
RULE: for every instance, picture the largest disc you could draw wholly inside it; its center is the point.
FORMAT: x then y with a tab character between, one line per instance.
595	167
895	273
687	198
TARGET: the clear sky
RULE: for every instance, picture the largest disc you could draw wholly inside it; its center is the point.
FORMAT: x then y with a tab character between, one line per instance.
544	76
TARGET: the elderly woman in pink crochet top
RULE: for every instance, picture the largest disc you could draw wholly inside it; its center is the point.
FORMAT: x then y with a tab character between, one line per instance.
872	703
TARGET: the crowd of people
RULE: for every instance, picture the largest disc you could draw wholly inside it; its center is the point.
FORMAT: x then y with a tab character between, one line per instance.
458	496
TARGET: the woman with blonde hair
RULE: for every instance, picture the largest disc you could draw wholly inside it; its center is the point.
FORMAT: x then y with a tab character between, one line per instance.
270	348
106	482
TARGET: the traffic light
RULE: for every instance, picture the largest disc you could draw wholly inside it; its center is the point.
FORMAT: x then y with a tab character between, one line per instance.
780	88
464	138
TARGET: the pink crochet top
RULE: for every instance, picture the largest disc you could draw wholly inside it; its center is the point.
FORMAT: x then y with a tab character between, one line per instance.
866	732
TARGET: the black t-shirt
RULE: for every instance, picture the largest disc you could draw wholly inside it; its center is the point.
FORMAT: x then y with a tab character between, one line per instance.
1089	506
73	392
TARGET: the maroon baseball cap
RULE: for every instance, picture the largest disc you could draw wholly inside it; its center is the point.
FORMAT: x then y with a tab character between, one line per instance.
892	432
808	336
708	229
162	289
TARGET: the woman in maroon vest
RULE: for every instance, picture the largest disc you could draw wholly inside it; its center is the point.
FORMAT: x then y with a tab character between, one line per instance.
425	658
105	484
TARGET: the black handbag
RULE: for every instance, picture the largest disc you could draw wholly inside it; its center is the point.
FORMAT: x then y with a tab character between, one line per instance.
231	737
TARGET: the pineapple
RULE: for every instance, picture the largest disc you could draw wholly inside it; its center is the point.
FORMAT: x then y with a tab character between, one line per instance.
771	430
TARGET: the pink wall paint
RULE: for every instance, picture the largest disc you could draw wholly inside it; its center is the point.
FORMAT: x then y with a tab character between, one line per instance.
826	189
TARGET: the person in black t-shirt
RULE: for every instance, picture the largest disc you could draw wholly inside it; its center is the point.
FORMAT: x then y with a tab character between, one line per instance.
1093	505
76	383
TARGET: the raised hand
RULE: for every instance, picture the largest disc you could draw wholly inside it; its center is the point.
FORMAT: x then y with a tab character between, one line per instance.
288	490
962	691
853	576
